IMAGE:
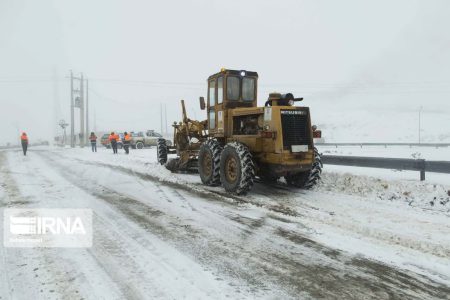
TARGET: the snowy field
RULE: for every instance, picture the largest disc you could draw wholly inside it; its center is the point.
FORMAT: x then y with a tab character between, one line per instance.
361	233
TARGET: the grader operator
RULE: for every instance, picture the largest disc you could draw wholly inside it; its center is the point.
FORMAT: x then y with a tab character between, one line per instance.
239	140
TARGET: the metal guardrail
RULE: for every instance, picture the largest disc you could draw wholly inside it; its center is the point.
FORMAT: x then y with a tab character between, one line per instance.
408	164
436	145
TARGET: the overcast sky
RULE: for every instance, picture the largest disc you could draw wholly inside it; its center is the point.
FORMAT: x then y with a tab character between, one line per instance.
139	54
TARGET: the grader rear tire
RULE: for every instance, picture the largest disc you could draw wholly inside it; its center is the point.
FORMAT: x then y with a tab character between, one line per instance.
162	151
308	179
237	170
209	162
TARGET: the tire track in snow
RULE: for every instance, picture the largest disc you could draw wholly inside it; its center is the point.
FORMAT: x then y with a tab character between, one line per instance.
201	191
170	229
42	272
125	205
333	218
13	196
283	195
5	284
126	263
296	274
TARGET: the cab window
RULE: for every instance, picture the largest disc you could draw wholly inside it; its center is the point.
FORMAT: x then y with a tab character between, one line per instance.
219	90
212	119
248	89
212	93
233	88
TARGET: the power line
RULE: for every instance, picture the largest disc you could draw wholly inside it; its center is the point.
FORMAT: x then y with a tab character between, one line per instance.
314	87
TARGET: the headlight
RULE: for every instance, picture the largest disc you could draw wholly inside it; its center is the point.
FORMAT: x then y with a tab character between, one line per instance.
291	102
242	73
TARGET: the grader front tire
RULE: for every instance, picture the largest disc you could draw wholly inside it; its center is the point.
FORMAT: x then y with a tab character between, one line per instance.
209	162
162	151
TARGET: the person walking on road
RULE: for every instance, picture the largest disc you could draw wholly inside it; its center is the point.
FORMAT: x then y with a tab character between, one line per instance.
126	142
113	138
24	141
93	139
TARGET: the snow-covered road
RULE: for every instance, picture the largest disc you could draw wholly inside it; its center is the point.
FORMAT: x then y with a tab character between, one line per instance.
165	236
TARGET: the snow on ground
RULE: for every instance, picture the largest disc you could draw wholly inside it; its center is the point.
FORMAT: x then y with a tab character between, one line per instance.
164	235
403	193
125	261
381	184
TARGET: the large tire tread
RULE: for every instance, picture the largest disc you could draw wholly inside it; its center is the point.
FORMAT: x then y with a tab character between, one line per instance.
247	168
162	151
215	149
311	178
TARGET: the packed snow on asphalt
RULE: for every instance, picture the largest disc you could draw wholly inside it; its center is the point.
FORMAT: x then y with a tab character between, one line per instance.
159	235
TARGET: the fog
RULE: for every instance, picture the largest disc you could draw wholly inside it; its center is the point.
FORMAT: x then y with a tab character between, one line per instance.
137	55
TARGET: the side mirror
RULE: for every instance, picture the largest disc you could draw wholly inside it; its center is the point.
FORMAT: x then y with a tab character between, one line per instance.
202	103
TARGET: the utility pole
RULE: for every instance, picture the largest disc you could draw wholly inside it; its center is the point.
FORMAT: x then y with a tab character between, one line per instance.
82	111
72	113
87	111
78	102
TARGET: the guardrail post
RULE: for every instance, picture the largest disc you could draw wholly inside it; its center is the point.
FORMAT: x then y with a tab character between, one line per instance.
422	169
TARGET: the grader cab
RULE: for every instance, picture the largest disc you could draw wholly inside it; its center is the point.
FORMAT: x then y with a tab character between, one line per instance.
240	140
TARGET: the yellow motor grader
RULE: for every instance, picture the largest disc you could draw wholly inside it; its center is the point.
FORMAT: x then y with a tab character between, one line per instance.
239	140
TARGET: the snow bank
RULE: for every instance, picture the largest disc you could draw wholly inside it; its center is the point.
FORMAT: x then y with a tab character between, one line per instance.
417	194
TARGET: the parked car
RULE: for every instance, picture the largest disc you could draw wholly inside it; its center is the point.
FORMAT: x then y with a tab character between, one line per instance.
104	140
150	138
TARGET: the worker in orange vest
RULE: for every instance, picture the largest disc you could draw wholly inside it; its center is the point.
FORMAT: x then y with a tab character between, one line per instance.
24	141
117	137
113	139
126	142
93	139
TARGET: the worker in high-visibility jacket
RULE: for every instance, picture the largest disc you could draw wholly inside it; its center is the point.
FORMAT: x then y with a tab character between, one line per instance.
126	142
24	142
113	139
93	140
